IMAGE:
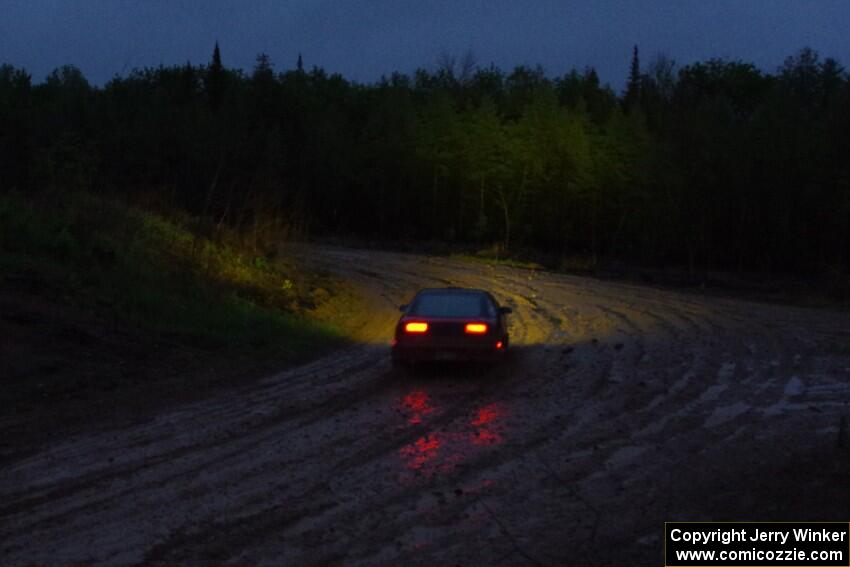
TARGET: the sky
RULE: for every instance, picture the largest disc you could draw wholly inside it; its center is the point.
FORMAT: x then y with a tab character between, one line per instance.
364	39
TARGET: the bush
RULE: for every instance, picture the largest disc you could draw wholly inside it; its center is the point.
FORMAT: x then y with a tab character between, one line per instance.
154	272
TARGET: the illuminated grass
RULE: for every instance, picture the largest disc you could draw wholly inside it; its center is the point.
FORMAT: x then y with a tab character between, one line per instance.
157	273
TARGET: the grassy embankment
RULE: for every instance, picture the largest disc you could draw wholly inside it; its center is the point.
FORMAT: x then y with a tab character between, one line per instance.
103	303
155	272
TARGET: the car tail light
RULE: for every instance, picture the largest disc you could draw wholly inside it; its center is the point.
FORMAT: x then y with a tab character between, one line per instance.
499	345
476	328
416	327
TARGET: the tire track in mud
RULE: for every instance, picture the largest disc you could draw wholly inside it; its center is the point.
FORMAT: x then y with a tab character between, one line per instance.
323	464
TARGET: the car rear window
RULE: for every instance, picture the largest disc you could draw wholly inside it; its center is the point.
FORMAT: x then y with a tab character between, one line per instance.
451	305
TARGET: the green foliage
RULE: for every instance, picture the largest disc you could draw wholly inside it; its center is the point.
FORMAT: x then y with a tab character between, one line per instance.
154	272
716	164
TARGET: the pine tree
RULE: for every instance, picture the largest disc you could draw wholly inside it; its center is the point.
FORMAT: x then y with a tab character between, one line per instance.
300	65
215	79
263	72
632	95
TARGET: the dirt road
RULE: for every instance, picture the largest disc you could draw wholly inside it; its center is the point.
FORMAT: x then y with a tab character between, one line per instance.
623	407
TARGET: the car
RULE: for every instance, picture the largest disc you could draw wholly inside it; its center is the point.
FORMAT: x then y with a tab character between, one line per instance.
452	325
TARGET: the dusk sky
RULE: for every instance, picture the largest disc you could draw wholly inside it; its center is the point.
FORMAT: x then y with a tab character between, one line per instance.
364	39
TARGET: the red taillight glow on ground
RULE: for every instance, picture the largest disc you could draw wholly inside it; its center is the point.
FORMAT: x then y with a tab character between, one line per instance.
420	453
417	402
476	328
416	327
486	432
440	450
486	415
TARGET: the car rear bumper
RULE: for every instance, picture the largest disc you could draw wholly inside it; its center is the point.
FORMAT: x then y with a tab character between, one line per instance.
421	353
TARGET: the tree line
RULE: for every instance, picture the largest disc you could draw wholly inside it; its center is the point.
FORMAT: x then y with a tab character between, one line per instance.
714	165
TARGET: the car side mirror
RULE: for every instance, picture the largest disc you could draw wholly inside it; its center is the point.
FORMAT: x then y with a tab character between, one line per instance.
505	310
402	308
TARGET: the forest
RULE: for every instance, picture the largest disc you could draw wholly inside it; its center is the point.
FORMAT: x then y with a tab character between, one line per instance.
715	165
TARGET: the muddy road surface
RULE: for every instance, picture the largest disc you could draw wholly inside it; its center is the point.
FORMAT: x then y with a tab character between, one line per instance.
622	407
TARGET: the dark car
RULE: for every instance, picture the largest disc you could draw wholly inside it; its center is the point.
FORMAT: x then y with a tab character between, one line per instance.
451	324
